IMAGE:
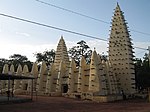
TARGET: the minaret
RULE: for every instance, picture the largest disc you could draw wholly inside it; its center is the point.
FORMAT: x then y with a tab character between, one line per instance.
61	54
121	53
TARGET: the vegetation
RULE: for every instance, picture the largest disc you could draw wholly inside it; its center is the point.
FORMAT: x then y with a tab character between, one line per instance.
15	59
47	56
82	49
142	73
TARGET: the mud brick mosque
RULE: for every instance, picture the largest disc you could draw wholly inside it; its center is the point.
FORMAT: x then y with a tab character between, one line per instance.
101	80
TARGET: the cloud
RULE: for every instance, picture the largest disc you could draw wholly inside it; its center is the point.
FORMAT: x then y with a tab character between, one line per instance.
23	49
28	50
142	44
100	46
70	44
139	53
23	34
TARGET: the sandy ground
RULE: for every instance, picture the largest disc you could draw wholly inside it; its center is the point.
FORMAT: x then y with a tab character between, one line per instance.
61	104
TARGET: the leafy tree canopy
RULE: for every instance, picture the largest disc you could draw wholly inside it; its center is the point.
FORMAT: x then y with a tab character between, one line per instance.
81	49
15	59
142	71
18	57
47	56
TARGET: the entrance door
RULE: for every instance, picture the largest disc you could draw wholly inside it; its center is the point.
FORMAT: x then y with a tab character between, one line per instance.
64	88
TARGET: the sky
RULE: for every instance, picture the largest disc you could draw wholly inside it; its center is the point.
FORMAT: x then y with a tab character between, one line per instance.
18	37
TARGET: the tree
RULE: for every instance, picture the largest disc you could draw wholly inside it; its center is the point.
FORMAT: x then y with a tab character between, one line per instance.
138	64
104	57
146	61
47	56
82	49
142	71
17	59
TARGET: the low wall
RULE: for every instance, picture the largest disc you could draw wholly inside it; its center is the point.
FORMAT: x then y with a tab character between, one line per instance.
109	98
89	96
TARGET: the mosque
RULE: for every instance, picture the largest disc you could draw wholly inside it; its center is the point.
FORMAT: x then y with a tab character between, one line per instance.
101	80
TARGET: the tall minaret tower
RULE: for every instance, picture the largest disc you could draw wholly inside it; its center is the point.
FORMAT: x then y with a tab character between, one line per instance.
121	53
61	53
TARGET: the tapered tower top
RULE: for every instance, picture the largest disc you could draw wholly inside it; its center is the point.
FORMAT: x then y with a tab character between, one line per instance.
62	38
119	24
118	5
118	10
61	53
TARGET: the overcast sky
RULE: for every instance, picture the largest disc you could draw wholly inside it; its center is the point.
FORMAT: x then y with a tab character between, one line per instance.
26	38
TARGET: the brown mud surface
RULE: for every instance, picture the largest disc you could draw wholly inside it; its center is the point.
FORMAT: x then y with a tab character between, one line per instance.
61	104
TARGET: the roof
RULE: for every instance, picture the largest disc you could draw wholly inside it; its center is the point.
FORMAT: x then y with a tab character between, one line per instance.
13	77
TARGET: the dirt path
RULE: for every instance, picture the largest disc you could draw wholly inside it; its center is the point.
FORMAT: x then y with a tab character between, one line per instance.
60	104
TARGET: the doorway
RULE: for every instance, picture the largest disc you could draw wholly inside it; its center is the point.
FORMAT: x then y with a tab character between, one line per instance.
64	88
